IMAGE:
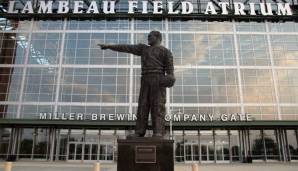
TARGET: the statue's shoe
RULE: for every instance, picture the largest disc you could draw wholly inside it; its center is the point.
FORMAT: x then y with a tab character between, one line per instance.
131	136
158	136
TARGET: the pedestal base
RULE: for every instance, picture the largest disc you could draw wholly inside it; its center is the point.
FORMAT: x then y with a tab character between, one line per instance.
145	154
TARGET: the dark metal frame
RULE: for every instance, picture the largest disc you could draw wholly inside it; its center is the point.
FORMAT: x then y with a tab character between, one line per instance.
195	15
268	124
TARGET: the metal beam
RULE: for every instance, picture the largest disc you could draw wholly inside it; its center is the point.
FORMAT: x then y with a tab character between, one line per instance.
131	124
156	16
215	4
176	5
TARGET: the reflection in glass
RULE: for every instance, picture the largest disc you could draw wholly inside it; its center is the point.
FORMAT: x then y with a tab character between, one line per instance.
272	151
179	146
48	24
76	135
95	85
198	49
10	83
78	153
71	152
289	112
287	26
257	86
33	111
40	84
106	152
13	48
207	146
250	26
222	146
198	25
253	50
257	145
94	151
285	50
149	25
288	85
5	134
87	149
41	144
26	143
292	144
62	144
14	24
81	48
262	112
45	48
235	145
8	111
91	136
96	24
205	86
192	152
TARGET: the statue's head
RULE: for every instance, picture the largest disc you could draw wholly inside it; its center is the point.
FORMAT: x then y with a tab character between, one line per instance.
154	38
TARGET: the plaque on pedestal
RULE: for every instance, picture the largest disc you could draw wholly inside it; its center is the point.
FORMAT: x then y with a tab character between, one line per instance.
145	154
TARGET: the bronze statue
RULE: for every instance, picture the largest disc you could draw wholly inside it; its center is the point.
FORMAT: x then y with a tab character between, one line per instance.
157	74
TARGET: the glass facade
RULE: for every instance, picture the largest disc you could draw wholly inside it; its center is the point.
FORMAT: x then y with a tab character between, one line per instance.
221	67
240	67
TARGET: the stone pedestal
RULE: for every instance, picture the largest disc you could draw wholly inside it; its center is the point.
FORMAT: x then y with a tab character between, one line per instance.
145	154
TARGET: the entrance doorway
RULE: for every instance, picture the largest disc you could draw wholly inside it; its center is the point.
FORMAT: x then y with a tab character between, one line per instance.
89	151
75	151
191	152
207	152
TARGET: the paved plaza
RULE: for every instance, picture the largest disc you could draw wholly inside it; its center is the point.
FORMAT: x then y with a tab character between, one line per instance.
69	166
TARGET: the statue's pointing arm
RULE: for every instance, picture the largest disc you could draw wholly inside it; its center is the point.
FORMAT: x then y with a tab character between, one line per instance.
134	49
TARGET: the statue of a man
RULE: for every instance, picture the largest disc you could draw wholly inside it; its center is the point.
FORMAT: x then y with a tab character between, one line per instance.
157	74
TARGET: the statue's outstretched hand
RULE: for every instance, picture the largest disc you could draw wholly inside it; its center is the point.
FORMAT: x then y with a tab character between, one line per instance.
103	46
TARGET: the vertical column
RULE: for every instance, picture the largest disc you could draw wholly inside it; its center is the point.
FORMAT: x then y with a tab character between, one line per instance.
52	142
131	66
60	66
199	138
35	132
168	89
246	142
278	139
264	144
67	148
240	144
18	141
13	141
273	71
83	145
98	145
9	142
230	150
238	66
53	134
243	142
28	47
214	146
286	146
57	136
282	144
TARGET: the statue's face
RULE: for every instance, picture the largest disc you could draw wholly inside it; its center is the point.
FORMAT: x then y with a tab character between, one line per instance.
153	39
